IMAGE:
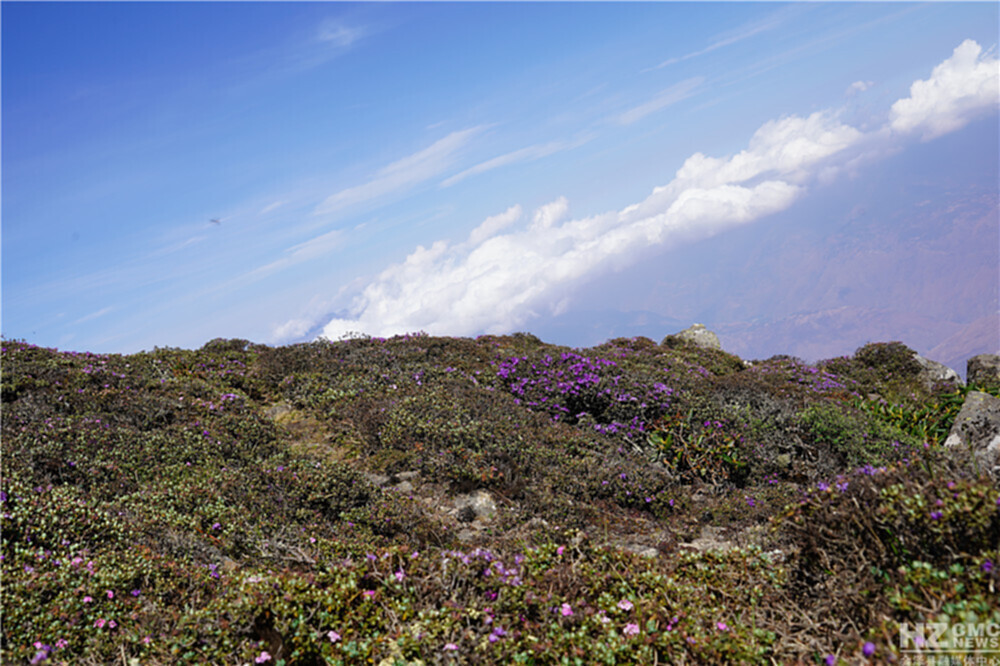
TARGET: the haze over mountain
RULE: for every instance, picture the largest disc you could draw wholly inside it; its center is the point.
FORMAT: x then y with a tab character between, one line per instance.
856	264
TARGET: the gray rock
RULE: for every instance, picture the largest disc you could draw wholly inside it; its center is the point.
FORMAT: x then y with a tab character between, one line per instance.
640	550
977	428
700	336
403	487
983	370
710	539
933	372
277	411
477	505
376	479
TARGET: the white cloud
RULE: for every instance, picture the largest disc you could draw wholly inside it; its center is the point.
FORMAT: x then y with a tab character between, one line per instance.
546	216
495	224
403	173
507	273
959	89
672	95
858	87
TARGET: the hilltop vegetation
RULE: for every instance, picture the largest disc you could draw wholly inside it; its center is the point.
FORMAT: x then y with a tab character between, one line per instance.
498	500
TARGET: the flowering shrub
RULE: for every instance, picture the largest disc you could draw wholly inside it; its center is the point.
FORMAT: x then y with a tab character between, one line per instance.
297	505
575	388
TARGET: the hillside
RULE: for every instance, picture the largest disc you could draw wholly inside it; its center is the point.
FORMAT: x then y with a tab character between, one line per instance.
497	500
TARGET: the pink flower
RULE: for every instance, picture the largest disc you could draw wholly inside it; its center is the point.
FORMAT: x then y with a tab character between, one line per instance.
625	605
264	657
100	622
88	599
721	626
566	610
369	593
450	646
631	629
333	636
399	575
111	595
560	549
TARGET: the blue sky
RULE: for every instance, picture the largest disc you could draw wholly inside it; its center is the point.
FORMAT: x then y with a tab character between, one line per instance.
462	168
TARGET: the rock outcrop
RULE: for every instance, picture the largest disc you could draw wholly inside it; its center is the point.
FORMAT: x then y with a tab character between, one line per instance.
697	335
983	370
933	372
977	427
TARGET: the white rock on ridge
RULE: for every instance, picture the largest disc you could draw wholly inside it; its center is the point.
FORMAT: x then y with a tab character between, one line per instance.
698	335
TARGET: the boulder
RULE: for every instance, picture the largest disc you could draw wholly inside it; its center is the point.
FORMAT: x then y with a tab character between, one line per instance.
478	505
932	372
977	428
983	370
697	335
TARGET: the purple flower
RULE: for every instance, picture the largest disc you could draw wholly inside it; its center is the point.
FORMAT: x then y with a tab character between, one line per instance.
987	566
136	593
830	660
936	515
869	649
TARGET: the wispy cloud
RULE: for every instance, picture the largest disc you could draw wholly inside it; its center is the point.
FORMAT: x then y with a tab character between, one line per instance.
672	95
402	174
730	38
339	34
526	154
307	251
93	315
271	207
959	89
